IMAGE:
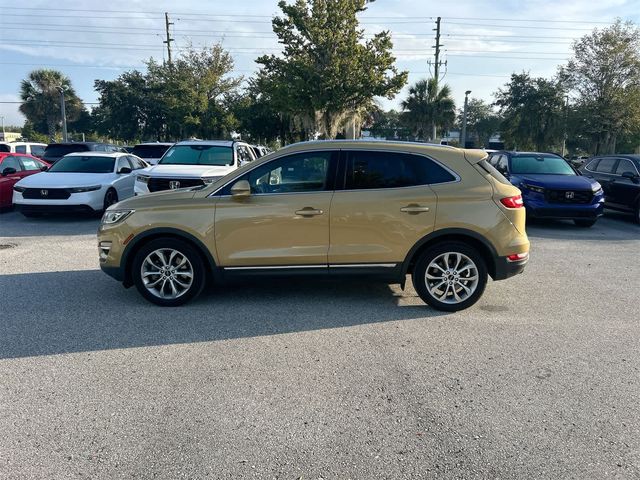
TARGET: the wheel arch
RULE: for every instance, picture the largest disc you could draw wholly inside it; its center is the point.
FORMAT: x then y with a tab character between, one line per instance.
486	250
144	238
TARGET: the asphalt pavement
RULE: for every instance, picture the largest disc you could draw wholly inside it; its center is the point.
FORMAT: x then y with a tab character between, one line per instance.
317	379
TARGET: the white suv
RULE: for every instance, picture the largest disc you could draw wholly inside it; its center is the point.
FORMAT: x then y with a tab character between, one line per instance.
30	148
192	163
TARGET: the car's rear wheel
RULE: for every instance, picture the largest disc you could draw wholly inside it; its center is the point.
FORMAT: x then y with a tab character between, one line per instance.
168	272
450	276
585	223
110	198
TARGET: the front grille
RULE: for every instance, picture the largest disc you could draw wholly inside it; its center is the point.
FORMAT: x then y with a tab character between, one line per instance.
574	197
159	184
46	194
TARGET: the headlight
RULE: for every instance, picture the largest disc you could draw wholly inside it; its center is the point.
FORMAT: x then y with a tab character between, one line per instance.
115	216
533	188
210	180
85	189
18	189
142	178
595	188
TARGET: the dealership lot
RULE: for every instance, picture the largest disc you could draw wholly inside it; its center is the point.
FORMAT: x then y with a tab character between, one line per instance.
320	379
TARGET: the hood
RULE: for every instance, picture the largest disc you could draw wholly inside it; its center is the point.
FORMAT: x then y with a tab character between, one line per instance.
155	199
65	180
559	182
187	171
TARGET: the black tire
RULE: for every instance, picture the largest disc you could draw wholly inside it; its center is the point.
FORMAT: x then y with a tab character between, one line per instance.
110	198
185	249
585	223
420	271
637	213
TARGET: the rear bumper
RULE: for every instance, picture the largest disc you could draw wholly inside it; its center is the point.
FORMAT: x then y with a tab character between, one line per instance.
506	269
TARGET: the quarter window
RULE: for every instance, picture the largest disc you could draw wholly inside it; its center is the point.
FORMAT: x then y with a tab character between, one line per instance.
606	165
367	170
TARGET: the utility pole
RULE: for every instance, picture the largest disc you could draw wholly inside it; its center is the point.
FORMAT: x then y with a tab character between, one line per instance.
463	136
566	118
168	41
3	132
64	114
436	69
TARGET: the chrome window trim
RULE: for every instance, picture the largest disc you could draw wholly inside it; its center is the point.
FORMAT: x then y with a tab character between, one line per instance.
457	177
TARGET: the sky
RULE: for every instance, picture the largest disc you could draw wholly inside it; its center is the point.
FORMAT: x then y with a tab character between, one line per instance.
484	41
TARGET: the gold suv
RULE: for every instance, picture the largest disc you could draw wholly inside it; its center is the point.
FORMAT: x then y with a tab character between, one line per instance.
379	210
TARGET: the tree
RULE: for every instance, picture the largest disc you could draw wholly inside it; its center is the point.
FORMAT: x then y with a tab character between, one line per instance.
604	73
532	111
189	97
40	97
427	105
482	121
327	72
388	125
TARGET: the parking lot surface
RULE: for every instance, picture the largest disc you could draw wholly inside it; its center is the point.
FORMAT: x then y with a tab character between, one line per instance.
313	379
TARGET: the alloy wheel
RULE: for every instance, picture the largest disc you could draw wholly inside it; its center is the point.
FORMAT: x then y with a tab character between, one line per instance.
167	273
451	277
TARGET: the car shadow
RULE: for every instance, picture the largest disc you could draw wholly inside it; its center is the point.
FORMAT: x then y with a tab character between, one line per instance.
611	227
14	224
79	311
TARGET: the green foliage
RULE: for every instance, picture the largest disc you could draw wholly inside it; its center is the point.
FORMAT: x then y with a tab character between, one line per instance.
29	133
482	121
604	74
327	72
532	111
427	105
41	100
187	98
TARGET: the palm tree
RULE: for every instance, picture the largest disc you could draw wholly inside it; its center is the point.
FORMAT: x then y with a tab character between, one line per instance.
40	95
427	108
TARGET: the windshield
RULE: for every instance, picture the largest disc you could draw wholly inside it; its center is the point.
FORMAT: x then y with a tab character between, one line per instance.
540	164
62	150
149	151
198	155
84	164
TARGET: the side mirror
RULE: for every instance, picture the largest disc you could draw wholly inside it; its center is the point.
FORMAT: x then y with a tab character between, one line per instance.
11	171
124	170
241	189
44	168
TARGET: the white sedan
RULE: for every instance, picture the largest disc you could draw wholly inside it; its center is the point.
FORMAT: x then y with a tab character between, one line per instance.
78	182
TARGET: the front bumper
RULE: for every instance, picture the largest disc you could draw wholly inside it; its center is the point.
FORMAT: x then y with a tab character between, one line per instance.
30	208
84	201
539	208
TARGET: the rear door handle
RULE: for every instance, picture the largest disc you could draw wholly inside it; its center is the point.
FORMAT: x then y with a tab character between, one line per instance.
414	209
309	212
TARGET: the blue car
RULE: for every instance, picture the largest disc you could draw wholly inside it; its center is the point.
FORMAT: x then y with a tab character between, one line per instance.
550	187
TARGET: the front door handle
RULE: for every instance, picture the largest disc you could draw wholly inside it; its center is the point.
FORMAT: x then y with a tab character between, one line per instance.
309	212
414	209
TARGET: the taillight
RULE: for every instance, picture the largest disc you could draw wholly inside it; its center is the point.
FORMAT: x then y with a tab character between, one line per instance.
516	257
512	202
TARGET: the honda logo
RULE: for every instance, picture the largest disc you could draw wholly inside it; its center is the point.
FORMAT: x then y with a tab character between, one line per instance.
569	195
173	184
44	193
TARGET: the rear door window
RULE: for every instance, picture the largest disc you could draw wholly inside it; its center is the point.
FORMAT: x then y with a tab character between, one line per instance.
625	166
375	170
11	162
606	165
29	163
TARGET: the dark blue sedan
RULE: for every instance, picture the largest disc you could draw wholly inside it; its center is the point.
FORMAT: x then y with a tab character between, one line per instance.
550	187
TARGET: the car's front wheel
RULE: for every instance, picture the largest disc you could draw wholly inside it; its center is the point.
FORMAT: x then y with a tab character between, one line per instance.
110	198
450	276
168	272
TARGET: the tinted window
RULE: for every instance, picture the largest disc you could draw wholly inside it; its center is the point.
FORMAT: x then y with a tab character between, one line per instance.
150	151
625	166
84	164
4	147
21	149
198	155
62	150
11	162
392	170
592	165
540	165
606	165
37	150
30	163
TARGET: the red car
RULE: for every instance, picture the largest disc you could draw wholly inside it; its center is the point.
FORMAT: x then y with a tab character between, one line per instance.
14	167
